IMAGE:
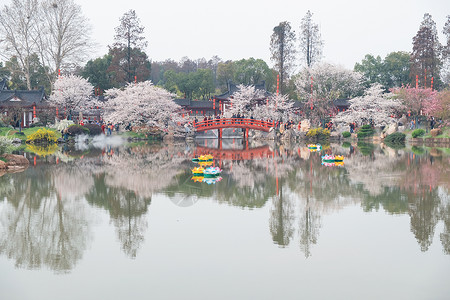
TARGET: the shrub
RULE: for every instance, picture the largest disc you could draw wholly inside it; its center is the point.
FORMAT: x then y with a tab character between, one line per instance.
346	145
94	129
417	133
366	148
395	145
42	136
436	132
4	144
37	124
318	133
346	134
42	151
396	137
77	129
418	150
63	124
365	131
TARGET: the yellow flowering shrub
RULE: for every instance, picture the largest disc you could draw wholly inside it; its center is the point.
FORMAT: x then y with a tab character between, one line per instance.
318	133
42	151
42	135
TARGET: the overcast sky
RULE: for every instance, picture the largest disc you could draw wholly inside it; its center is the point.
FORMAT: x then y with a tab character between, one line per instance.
236	29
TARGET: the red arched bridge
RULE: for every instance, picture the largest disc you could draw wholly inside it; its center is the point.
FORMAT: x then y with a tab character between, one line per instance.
246	124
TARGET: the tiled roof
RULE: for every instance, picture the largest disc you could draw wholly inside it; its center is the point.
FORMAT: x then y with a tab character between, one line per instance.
232	88
341	102
24	98
182	102
3	85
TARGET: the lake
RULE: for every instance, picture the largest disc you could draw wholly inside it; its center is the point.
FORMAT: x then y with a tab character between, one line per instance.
115	221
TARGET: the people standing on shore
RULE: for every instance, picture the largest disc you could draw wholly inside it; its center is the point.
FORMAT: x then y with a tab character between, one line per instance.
109	128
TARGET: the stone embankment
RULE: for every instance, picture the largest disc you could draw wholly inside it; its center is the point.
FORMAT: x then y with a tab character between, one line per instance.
436	142
11	162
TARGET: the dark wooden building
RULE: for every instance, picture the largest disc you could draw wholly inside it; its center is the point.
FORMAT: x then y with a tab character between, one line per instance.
21	106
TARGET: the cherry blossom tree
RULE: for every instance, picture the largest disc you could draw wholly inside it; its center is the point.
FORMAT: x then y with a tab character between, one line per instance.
277	107
72	92
438	105
325	82
374	105
418	100
142	103
249	101
244	100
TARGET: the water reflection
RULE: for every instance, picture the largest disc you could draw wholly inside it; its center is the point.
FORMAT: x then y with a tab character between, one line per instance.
45	217
40	226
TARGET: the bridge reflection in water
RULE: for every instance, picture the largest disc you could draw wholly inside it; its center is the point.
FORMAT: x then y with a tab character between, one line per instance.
235	154
246	124
247	153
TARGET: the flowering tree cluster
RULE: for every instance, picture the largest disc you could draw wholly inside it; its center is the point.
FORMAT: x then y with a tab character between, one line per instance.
441	106
425	101
374	106
415	99
72	92
244	100
328	82
323	83
277	107
249	101
141	103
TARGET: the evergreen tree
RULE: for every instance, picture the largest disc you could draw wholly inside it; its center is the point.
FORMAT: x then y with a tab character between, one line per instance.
446	32
311	44
95	71
129	61
282	48
425	57
446	54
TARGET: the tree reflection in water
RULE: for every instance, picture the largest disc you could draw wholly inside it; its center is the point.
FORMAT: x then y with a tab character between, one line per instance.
125	183
301	191
45	220
42	227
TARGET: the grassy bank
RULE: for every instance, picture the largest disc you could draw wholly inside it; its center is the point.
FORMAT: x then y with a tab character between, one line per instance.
13	133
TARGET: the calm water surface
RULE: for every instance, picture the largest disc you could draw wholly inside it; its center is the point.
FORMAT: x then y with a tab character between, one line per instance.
130	222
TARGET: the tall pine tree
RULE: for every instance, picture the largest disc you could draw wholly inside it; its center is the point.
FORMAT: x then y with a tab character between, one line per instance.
282	48
129	61
425	57
311	43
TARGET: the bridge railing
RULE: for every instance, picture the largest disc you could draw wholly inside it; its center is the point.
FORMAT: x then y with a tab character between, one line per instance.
232	122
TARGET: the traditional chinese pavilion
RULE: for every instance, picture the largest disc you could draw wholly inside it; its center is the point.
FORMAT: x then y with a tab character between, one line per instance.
27	103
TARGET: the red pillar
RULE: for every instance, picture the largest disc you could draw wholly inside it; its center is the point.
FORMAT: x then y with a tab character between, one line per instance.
246	134
425	78
278	84
220	134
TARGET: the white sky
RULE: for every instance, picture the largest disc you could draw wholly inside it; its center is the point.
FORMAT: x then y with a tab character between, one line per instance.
237	29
